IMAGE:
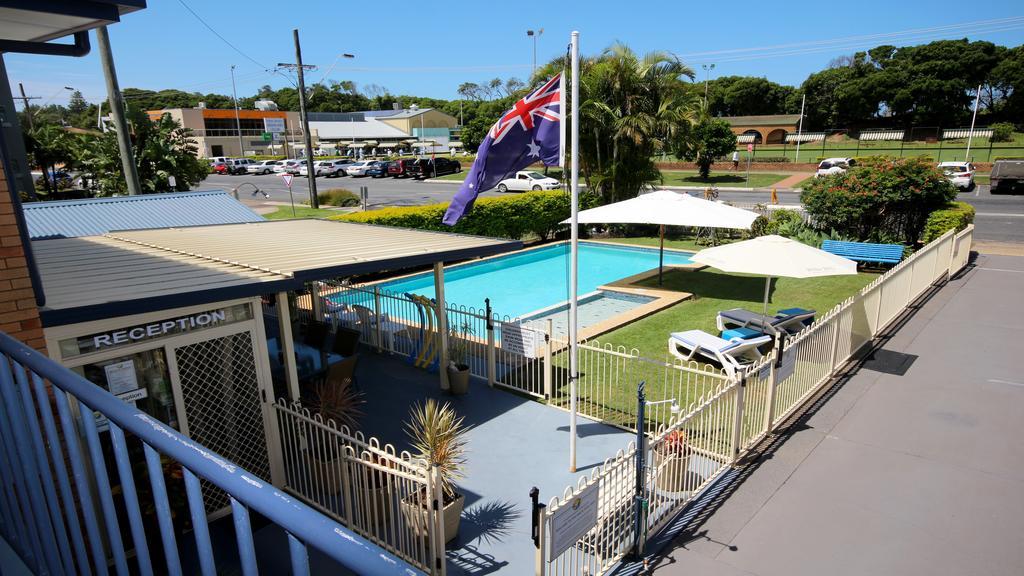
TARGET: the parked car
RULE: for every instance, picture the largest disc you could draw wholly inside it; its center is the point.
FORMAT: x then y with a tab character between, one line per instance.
218	160
377	169
1007	176
285	166
220	168
960	174
528	180
401	168
830	166
359	168
236	166
431	168
296	168
263	167
330	168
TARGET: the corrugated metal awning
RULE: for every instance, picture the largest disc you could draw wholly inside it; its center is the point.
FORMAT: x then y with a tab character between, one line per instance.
357	145
960	133
745	138
424	144
455	144
389	144
805	137
881	135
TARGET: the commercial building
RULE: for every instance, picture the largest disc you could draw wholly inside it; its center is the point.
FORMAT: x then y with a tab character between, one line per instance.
217	133
766	129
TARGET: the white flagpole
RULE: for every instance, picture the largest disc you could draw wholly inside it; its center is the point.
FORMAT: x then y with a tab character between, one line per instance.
574	253
970	135
800	129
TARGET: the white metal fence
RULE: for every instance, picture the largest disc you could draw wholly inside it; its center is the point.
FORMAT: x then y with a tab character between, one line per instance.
730	415
383	495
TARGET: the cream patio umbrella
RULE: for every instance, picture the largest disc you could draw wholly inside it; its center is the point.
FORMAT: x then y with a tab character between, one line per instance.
668	208
773	256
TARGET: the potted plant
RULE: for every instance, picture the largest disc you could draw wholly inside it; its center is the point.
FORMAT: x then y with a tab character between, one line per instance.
671	461
337	402
458	355
439	438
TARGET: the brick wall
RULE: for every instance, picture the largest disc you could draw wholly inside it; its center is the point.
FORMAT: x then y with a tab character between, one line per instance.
19	316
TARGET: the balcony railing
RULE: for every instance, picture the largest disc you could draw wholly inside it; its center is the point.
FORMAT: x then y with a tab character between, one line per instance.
56	530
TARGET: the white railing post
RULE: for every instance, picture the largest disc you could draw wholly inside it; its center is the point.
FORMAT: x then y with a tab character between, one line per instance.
346	486
435	512
737	425
378	335
540	564
835	343
772	383
878	309
548	368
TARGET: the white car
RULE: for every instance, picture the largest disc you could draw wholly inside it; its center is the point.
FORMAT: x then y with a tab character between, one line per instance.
264	167
286	165
528	180
359	168
960	174
830	166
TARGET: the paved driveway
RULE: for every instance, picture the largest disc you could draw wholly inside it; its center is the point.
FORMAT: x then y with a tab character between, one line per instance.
915	474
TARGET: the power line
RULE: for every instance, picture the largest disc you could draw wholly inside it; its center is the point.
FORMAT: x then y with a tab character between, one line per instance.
217	34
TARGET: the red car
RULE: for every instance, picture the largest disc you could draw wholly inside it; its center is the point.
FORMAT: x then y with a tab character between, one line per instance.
401	168
219	168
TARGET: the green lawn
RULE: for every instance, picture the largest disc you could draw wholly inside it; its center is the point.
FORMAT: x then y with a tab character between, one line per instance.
721	178
458	176
285	212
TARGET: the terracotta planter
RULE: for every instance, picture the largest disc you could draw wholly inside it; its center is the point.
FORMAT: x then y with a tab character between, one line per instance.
458	379
672	471
416	517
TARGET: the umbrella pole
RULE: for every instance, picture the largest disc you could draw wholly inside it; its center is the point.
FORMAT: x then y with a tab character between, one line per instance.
661	253
767	286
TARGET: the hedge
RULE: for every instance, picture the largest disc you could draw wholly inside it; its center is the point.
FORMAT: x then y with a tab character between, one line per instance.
536	213
338	197
956	215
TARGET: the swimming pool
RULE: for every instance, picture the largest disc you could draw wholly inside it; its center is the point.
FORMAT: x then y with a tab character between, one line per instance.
534	279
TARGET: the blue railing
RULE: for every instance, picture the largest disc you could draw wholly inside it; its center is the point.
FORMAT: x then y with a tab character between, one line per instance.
56	530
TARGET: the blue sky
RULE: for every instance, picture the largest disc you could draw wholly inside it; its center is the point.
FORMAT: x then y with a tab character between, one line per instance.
429	48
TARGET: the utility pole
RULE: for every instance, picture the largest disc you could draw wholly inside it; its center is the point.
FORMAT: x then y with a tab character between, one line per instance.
25	99
970	135
304	117
800	129
238	122
124	142
534	35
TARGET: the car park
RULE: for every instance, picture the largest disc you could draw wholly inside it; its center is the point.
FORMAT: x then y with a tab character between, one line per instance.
284	166
401	168
528	180
359	168
431	168
830	166
236	166
959	174
296	168
262	167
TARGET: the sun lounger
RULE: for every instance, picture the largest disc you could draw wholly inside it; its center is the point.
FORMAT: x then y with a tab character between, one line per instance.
790	321
731	354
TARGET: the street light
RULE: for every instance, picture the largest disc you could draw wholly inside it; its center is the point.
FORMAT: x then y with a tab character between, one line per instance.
707	74
534	35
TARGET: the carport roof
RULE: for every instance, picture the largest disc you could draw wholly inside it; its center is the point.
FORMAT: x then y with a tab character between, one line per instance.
132	272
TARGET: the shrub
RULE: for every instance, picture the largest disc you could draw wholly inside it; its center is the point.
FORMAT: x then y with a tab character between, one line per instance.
1001	132
537	213
781	222
769	159
337	197
956	215
879	201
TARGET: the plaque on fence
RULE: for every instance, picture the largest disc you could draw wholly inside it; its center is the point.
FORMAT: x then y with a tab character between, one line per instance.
572	521
788	363
521	340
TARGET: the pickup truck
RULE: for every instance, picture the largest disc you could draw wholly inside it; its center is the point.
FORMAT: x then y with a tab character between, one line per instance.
1007	176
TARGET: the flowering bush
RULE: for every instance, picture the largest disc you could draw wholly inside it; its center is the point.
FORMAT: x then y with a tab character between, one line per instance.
881	200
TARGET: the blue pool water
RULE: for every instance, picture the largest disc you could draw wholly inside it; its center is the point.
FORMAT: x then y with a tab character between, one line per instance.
534	279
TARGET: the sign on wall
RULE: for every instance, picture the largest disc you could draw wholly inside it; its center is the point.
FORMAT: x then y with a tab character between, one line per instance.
573	520
273	125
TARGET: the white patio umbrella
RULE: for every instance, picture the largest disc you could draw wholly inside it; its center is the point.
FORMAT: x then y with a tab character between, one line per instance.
773	256
668	208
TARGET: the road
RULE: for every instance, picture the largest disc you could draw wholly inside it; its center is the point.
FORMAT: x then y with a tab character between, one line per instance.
999	218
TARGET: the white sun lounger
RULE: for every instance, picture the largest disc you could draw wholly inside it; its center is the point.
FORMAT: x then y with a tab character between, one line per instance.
742	318
731	354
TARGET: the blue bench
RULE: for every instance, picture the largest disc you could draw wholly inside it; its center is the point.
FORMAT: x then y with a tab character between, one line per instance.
864	252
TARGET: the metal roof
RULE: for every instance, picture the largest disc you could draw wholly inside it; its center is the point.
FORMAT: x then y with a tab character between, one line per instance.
95	216
95	277
367	129
310	249
35	21
765	120
132	272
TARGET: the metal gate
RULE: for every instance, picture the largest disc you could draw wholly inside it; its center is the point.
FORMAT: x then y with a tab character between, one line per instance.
223	410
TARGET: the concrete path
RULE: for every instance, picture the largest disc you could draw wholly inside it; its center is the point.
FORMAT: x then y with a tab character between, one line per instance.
915	474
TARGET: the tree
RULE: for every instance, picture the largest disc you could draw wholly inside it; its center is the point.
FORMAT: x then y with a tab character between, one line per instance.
706	140
631	108
77	104
49	145
162	149
878	201
747	95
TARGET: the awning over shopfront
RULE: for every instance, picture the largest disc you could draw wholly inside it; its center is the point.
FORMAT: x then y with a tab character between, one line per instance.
146	270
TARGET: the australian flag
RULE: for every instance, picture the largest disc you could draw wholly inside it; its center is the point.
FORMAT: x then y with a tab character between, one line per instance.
530	132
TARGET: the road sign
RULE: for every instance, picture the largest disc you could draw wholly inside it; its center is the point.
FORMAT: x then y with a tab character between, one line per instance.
750	147
287	180
267	136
